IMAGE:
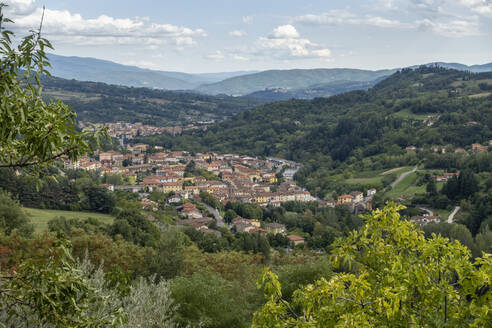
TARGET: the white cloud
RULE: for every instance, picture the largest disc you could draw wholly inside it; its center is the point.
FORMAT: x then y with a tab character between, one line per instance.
295	47
332	17
184	41
285	32
343	17
217	55
322	52
240	58
434	19
383	22
237	33
64	26
285	42
456	28
481	7
247	19
20	7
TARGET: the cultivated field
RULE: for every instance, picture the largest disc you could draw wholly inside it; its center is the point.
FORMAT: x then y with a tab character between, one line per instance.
40	217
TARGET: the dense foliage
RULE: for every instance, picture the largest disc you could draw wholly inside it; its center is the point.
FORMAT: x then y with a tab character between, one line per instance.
32	132
100	102
395	278
62	193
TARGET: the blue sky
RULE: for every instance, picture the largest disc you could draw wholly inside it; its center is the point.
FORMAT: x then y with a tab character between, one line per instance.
212	36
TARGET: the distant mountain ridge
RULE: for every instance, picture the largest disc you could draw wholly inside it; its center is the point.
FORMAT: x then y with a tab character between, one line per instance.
311	83
271	84
290	79
98	70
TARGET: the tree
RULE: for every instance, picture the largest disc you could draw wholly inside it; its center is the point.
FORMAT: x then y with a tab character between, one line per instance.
392	276
98	199
33	132
12	217
134	227
229	215
167	260
207	300
51	293
431	187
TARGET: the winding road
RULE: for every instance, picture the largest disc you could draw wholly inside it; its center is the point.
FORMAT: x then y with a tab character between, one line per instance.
401	177
216	214
451	216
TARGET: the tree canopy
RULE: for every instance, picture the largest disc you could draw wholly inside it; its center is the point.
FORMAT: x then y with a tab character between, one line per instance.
391	276
32	132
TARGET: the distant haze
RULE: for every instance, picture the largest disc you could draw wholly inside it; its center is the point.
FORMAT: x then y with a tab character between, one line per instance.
270	84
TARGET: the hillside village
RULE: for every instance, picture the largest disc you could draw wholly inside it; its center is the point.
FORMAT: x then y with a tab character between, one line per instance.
128	131
473	148
227	177
184	177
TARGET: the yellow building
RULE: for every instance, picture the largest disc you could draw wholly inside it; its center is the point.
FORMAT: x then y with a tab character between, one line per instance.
260	199
270	178
171	186
254	223
345	199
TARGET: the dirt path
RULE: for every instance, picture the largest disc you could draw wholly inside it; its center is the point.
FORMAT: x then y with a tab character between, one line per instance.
401	177
396	169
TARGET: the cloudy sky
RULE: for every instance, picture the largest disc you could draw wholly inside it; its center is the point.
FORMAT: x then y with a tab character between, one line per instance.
230	35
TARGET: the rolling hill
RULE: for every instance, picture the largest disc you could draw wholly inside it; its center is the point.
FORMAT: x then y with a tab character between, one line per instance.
315	91
97	70
270	85
290	80
374	125
99	102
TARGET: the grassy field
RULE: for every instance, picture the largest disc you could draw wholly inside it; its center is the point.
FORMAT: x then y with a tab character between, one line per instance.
40	217
408	187
375	176
372	180
444	214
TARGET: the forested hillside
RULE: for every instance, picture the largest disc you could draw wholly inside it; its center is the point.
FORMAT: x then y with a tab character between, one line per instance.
422	107
314	91
100	102
290	79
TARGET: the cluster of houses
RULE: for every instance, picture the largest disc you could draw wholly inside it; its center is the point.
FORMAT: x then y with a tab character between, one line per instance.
421	220
253	226
234	177
475	148
354	200
191	216
445	177
479	148
128	131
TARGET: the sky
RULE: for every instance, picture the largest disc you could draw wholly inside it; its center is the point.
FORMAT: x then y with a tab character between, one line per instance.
199	36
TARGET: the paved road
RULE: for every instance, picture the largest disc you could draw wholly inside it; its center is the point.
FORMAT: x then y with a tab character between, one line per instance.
427	210
216	214
401	177
451	216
